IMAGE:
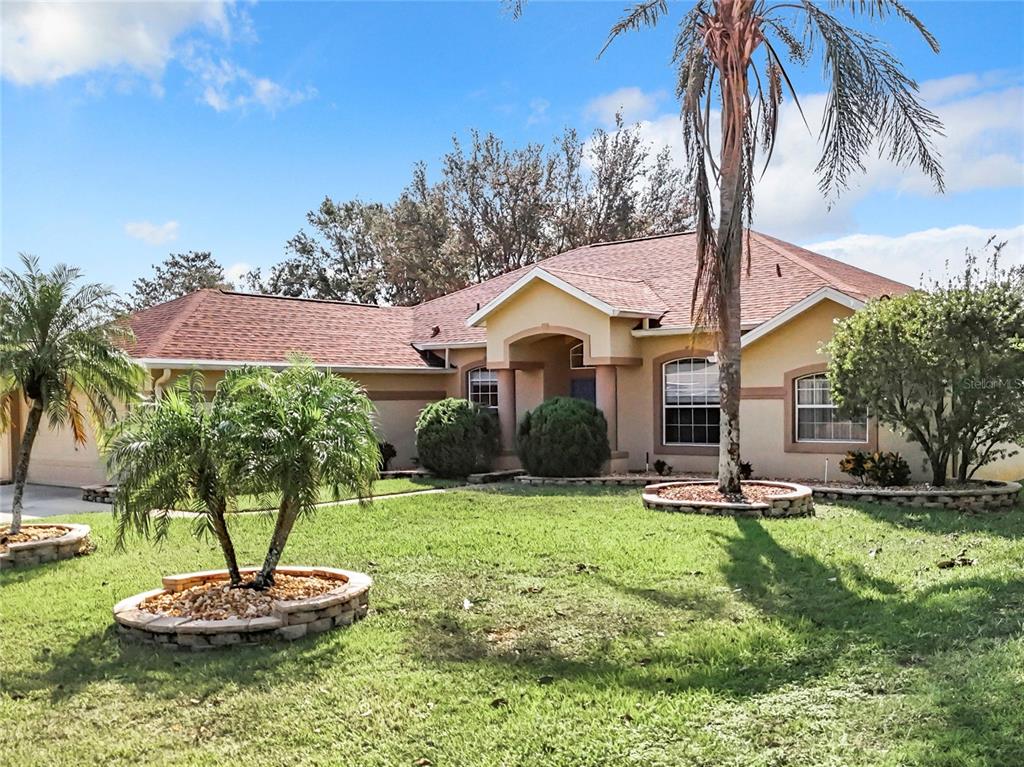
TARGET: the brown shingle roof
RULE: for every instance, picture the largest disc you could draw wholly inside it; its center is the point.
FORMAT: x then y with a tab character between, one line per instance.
221	325
780	275
654	274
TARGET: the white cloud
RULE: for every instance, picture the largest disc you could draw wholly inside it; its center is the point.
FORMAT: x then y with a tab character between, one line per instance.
225	85
983	148
47	42
538	111
632	103
236	272
910	256
150	233
44	42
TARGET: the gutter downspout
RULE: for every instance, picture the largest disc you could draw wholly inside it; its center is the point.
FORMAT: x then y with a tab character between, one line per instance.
158	384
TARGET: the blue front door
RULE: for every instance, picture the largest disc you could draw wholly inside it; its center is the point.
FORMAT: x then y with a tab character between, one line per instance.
584	388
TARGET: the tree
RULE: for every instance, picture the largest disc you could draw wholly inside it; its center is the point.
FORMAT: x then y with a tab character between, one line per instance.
179	275
60	346
290	433
493	209
165	456
734	48
340	260
945	367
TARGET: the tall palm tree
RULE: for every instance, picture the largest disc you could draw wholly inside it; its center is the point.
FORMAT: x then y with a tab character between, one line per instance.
60	346
734	50
287	434
165	456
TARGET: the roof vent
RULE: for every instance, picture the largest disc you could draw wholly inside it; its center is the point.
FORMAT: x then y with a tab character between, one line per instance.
778	270
435	331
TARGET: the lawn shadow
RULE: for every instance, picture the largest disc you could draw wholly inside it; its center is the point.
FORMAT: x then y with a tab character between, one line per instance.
165	672
1004	524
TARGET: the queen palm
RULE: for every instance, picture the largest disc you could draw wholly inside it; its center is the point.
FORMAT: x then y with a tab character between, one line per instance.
61	347
734	51
165	456
285	435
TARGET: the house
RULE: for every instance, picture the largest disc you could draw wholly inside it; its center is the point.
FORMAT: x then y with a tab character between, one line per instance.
608	322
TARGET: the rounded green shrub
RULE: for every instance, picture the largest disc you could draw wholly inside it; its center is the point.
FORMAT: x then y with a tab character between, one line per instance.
564	437
455	437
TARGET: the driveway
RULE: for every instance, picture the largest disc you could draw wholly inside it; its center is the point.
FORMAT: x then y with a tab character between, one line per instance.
47	501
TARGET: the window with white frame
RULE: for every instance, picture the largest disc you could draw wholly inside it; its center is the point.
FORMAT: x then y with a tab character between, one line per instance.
482	386
817	419
576	358
690	402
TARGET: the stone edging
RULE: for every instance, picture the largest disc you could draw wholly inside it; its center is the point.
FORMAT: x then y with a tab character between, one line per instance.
990	495
289	619
639	480
75	542
796	503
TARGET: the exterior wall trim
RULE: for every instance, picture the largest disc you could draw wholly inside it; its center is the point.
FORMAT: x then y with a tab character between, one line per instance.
406	396
793	311
790	443
463	373
186	363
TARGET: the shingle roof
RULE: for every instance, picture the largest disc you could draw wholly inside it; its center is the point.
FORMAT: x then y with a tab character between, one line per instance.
780	275
645	275
221	325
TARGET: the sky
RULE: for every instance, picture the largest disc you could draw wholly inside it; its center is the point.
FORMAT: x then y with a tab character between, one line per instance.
133	130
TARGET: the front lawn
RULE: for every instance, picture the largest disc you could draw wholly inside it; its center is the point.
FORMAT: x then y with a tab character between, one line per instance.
597	633
380	487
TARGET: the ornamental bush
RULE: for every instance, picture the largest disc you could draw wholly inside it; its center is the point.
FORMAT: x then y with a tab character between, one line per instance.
455	437
564	437
887	469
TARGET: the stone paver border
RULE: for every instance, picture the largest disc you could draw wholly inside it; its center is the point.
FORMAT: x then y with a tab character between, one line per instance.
289	619
798	502
990	495
638	480
75	542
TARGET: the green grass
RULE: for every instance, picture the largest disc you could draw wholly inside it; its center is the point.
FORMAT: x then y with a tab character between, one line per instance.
380	487
599	634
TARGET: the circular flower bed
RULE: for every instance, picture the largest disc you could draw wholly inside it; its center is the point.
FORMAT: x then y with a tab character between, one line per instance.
759	499
985	495
200	610
43	543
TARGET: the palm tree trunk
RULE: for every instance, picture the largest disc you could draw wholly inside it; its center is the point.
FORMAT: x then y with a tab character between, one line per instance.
220	529
286	515
729	254
35	415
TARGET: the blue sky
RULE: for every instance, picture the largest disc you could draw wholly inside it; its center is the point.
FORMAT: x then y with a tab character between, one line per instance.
133	131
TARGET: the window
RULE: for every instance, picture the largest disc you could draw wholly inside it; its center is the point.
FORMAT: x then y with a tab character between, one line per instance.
816	416
690	402
576	358
482	385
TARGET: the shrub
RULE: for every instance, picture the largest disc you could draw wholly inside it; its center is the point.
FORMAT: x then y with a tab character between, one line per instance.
564	437
663	469
455	437
886	469
387	452
746	470
855	464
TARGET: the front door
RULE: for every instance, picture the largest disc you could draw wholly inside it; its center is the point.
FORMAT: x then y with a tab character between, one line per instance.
584	388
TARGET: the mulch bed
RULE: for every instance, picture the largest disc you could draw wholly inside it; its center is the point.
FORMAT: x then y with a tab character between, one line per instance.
216	600
753	492
30	533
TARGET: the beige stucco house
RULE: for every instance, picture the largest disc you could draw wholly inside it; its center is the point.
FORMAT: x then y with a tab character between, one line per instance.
609	322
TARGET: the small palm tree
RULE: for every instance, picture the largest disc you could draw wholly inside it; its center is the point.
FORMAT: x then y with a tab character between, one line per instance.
165	456
290	433
60	346
732	51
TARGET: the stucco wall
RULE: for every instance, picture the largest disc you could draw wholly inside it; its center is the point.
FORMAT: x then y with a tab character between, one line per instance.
57	460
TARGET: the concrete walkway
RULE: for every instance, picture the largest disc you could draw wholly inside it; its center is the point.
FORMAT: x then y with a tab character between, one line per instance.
47	501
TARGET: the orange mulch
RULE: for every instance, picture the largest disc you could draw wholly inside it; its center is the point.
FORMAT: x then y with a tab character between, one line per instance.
216	600
753	492
30	533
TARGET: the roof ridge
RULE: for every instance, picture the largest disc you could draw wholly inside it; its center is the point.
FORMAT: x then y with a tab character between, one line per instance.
829	279
661	236
312	299
179	317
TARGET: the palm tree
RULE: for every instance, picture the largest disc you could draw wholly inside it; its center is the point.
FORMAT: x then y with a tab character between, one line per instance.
288	434
60	345
734	49
165	456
